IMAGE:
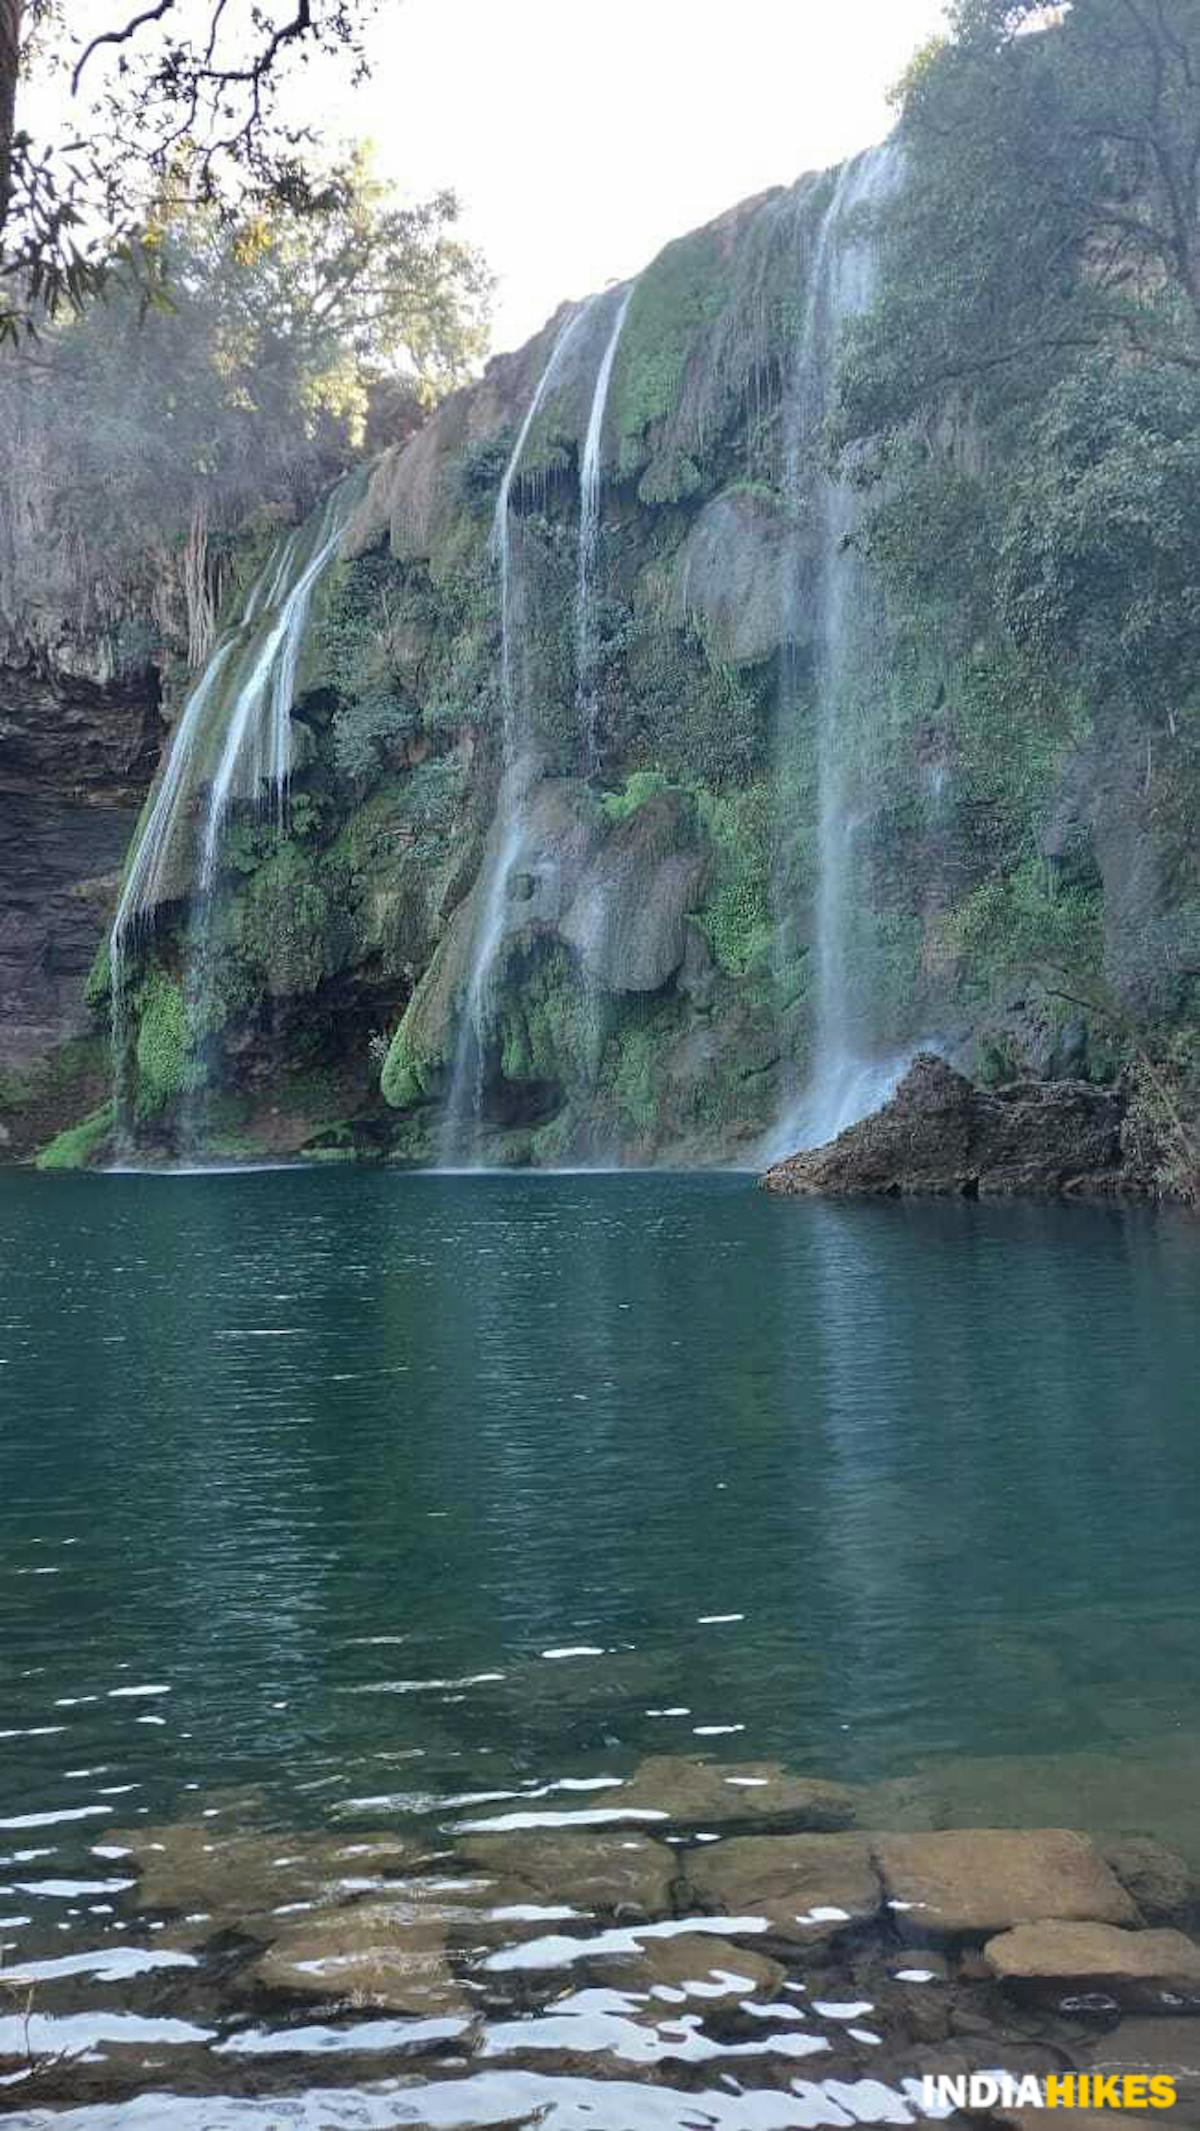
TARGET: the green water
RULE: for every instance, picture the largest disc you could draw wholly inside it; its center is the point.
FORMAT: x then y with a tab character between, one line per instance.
350	1494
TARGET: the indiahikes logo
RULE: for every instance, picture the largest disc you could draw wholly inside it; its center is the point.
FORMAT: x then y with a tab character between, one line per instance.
1060	2090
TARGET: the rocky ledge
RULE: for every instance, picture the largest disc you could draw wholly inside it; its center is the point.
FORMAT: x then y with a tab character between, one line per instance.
942	1135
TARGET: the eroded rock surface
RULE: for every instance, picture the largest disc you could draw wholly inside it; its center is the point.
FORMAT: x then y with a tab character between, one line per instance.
1161	1882
194	1868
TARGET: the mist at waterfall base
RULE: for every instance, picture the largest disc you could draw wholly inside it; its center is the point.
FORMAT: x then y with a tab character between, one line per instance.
232	744
330	1500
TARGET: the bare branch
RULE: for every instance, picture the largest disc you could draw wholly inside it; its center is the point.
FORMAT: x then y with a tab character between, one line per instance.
122	36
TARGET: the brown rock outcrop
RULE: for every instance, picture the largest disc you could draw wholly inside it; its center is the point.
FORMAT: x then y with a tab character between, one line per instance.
941	1135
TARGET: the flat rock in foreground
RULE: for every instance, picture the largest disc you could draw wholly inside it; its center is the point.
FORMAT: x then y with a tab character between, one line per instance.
972	1883
941	1135
1137	1970
808	1887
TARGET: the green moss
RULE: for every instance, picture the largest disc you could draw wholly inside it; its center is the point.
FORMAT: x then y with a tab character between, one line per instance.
546	1022
675	298
166	1067
670	478
280	923
737	917
98	982
79	1144
633	1076
682	709
477	475
407	1075
57	1081
638	787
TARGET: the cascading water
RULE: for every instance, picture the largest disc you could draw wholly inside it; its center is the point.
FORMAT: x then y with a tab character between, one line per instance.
589	536
845	1080
464	1103
233	741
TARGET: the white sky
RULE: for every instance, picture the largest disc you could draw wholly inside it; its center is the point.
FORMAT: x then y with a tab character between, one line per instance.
581	134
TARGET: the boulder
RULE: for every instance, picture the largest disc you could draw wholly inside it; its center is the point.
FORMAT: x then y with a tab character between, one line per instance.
1060	1962
808	1887
971	1883
617	1874
1161	1882
708	1794
942	1135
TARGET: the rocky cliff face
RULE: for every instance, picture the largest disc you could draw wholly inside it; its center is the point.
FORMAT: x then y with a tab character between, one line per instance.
76	760
652	988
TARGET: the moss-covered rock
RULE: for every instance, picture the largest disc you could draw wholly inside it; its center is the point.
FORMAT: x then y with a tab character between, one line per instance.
79	1145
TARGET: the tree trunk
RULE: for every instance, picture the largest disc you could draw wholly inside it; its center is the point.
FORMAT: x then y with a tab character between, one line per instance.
10	46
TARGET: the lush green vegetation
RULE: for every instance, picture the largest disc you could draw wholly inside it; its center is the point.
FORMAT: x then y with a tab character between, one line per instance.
1023	407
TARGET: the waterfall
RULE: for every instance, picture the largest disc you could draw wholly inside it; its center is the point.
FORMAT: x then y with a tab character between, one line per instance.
232	741
589	535
464	1103
845	1080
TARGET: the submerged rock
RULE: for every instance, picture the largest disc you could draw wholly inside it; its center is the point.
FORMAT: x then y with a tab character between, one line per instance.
942	1135
194	1868
1064	1963
611	1873
694	1966
808	1887
971	1883
1144	2045
711	1794
382	1954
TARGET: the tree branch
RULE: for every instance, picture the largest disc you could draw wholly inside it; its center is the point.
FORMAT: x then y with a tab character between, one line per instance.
136	23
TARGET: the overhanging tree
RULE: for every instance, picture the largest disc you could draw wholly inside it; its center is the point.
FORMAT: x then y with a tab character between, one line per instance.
172	84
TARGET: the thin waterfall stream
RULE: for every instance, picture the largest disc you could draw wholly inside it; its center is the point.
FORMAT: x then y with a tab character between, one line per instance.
233	742
845	1078
586	646
464	1103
